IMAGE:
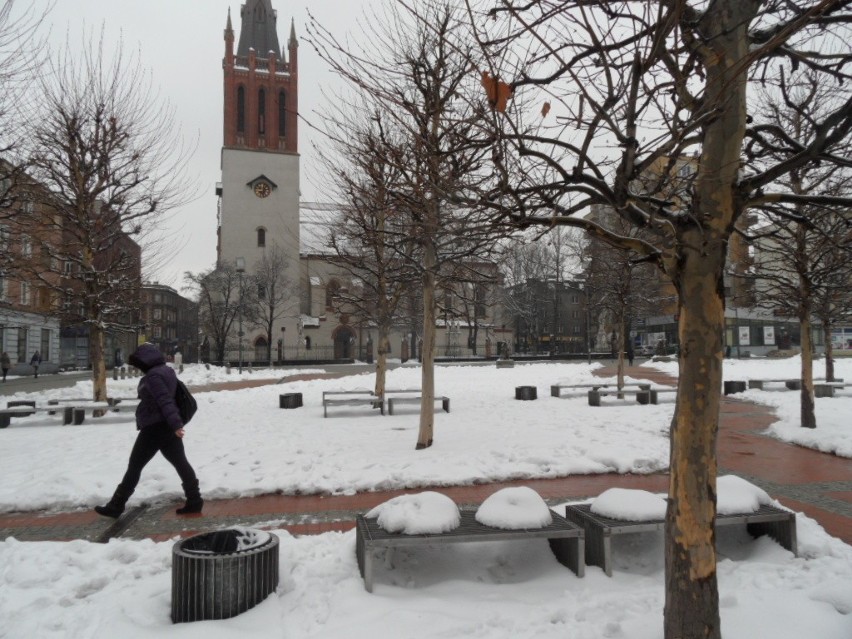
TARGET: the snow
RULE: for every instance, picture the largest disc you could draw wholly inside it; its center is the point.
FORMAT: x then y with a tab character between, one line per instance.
832	434
519	507
241	443
422	513
629	505
736	495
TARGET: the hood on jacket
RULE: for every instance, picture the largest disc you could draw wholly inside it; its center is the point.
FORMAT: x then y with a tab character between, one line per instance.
146	357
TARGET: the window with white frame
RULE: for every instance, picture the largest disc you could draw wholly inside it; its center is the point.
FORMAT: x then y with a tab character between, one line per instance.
25	294
26	246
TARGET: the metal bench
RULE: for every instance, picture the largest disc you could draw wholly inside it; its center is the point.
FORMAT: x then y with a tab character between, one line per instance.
415	399
351	398
7	414
792	384
643	394
556	389
769	520
566	540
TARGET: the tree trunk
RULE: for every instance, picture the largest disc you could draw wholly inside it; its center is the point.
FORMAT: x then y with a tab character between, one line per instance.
692	597
427	404
829	351
96	355
620	346
382	359
808	415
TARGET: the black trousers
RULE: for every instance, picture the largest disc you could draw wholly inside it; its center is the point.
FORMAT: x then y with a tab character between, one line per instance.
158	437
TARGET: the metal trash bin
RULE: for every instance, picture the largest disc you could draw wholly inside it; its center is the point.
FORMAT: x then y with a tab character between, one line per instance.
222	574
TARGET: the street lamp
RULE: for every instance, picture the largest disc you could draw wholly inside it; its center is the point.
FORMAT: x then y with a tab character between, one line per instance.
241	268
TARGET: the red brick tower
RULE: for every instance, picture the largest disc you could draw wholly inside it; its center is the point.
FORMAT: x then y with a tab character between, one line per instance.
261	85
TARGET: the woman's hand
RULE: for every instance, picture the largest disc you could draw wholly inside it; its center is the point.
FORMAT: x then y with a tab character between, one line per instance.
180	432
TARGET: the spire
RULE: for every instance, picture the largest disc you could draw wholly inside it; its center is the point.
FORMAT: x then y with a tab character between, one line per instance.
229	28
258	30
293	42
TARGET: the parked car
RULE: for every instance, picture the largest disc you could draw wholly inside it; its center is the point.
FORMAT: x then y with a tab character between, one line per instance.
645	350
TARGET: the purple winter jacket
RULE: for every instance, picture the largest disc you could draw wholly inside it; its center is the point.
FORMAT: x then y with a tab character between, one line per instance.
156	389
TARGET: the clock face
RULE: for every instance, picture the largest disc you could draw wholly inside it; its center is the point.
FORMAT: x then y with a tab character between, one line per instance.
261	189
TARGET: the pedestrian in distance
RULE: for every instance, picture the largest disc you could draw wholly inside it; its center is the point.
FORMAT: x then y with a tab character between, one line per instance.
34	362
5	364
160	429
630	354
178	360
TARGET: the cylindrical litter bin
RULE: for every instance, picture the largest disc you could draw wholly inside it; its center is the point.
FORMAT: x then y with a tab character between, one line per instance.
221	574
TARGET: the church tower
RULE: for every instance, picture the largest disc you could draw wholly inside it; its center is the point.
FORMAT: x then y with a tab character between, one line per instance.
259	191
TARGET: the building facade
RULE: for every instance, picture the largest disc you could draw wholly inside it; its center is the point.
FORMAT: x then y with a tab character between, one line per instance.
169	320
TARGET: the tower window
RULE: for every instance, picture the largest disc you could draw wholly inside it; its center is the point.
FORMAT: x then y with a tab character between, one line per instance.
261	111
261	237
241	110
282	114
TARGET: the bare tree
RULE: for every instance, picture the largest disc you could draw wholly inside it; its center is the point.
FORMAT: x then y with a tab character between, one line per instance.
21	50
273	289
219	304
806	248
419	73
588	96
106	152
367	239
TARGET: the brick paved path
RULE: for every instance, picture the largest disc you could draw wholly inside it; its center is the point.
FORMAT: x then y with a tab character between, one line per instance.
817	484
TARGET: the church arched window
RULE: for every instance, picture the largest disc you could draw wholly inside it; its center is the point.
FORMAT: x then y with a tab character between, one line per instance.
282	114
261	111
241	110
261	236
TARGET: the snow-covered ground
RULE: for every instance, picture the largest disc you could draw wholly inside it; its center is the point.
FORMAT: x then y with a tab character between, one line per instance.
241	443
832	434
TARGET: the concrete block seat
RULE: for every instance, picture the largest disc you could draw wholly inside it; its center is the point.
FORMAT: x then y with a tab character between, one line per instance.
565	538
599	530
351	398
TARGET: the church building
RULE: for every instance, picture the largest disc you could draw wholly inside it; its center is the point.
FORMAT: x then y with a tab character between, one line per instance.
260	212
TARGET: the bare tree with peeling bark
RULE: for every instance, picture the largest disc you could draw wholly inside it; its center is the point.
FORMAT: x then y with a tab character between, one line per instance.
107	152
588	95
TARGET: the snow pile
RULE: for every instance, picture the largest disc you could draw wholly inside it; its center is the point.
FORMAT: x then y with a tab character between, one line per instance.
513	509
629	505
424	513
736	495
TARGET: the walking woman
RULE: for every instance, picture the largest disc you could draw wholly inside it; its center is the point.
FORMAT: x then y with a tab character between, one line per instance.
160	429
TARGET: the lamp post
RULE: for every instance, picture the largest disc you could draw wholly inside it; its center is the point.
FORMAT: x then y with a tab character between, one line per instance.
241	268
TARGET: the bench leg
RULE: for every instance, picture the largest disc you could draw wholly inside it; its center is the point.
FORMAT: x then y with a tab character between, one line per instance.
67	415
784	532
571	553
5	420
324	409
79	416
643	397
654	396
390	406
446	404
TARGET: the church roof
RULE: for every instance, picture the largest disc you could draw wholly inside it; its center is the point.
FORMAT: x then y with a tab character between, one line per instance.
259	29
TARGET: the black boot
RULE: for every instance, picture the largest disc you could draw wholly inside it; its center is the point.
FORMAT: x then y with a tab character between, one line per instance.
194	503
116	505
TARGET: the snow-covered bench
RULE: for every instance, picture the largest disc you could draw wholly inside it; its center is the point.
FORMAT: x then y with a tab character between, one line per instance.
566	540
556	389
599	530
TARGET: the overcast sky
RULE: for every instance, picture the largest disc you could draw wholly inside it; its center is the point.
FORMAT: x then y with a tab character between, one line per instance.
181	42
